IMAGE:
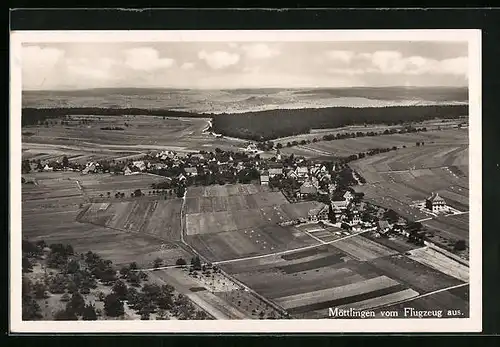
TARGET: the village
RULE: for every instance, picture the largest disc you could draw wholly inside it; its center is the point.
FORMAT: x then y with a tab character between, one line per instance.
328	182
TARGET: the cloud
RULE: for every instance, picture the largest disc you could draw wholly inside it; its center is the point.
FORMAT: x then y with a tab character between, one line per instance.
394	63
350	72
259	51
146	59
35	57
219	59
98	69
187	66
342	56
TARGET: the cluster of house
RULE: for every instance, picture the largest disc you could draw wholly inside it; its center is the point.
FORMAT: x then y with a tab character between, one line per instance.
314	179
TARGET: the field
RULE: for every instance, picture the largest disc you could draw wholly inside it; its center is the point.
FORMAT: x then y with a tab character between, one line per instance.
436	260
82	143
155	217
244	243
453	303
215	222
430	125
346	147
417	276
362	248
232	221
51	207
234	202
360	273
454	227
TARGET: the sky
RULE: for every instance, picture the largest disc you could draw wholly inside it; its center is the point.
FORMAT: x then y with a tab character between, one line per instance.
224	65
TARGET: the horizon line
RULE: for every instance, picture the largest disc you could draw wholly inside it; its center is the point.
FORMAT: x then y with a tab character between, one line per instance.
243	88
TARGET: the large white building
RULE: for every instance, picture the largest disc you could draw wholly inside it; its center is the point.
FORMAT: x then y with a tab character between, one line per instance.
435	203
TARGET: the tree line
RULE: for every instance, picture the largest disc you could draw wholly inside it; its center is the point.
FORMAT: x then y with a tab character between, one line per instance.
272	124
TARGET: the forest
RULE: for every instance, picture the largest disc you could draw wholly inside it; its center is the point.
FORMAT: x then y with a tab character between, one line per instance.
272	124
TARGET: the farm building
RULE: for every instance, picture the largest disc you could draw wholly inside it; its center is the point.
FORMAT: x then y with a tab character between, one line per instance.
251	148
191	171
275	172
140	165
291	174
307	188
319	213
48	168
355	219
341	204
383	226
264	178
302	172
435	203
181	177
348	196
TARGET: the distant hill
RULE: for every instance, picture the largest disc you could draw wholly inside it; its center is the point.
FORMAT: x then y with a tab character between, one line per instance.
243	100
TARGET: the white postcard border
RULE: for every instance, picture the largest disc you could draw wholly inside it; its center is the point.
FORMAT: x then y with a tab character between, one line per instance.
471	324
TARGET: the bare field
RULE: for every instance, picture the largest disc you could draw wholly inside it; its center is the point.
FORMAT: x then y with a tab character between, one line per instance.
233	202
362	248
440	262
415	275
143	134
222	221
346	147
450	227
50	210
453	305
161	218
225	190
249	242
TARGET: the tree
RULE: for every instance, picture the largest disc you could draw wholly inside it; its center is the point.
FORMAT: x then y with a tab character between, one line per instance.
76	304
40	290
65	315
180	262
73	266
157	263
137	193
89	313
120	289
460	245
26	167
65	161
391	215
113	306
26	264
196	263
30	308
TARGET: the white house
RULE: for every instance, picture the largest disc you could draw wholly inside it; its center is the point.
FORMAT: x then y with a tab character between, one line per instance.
302	172
341	205
264	178
318	213
191	171
139	164
435	203
275	172
48	168
348	196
